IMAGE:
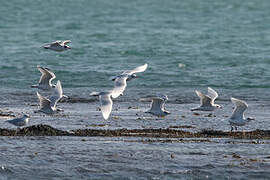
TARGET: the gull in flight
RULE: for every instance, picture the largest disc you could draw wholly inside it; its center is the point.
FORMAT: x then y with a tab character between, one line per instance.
120	81
45	81
58	45
48	105
157	106
238	118
207	101
22	121
105	102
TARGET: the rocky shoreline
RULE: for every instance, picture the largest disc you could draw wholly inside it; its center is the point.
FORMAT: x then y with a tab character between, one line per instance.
45	130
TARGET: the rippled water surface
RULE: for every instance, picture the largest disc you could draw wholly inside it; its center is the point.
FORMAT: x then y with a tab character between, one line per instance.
127	158
188	45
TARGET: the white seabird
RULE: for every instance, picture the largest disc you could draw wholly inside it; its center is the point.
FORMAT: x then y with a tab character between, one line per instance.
237	118
45	81
58	45
22	121
121	80
157	106
48	105
105	102
207	101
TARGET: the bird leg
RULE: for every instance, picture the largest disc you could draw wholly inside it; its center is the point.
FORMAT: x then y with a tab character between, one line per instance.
231	128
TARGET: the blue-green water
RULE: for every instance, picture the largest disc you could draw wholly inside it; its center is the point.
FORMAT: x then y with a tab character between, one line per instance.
220	44
188	45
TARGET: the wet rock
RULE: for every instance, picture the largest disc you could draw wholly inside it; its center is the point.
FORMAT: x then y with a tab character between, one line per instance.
183	126
36	130
234	155
45	130
210	115
196	114
130	107
6	114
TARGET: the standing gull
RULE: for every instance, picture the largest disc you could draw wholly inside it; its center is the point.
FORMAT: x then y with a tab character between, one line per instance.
120	81
58	45
22	121
207	101
48	105
45	81
238	118
105	102
157	106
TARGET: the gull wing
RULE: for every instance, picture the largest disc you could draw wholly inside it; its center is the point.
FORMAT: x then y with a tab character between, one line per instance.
157	104
14	121
136	70
240	107
46	76
55	44
204	99
57	95
65	42
119	86
212	94
105	104
44	103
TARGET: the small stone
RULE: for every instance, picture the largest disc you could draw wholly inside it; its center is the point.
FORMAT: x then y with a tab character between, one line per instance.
236	156
172	156
116	117
196	114
253	160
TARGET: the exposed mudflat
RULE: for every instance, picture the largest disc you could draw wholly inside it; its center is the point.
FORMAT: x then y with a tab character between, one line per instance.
46	130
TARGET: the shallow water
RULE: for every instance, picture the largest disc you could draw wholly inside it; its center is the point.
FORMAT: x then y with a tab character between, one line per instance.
188	45
107	158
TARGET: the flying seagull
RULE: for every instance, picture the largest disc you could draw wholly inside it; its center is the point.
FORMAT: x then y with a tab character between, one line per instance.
45	81
58	45
237	118
105	102
207	101
48	105
157	106
120	81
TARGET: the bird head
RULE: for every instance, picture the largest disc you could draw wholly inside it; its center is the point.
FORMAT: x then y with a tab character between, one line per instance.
67	47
